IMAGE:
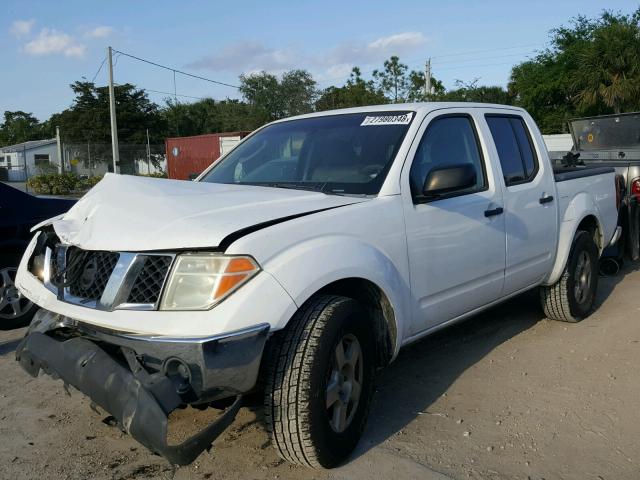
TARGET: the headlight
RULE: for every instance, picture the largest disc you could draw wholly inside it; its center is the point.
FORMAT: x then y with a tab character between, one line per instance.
200	280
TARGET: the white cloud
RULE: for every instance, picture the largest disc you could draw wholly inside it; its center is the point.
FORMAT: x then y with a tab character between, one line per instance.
359	53
335	63
51	42
246	57
101	31
400	41
21	28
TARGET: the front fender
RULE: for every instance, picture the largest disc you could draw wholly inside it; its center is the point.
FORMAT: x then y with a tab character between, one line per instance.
579	208
307	267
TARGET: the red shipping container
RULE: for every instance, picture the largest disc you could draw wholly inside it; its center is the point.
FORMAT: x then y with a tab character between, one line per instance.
187	157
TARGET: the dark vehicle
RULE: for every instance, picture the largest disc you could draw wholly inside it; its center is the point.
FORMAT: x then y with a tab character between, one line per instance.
19	211
613	141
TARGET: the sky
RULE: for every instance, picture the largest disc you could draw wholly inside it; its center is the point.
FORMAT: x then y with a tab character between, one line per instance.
47	45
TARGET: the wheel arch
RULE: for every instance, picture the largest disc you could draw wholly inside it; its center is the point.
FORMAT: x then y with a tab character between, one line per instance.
381	312
588	222
351	267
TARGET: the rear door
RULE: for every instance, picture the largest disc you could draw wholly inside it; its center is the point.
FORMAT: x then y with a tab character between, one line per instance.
529	203
456	243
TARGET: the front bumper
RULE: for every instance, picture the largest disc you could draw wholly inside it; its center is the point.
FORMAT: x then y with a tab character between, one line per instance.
140	380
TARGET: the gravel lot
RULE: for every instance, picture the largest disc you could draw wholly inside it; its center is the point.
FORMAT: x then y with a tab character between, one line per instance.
507	394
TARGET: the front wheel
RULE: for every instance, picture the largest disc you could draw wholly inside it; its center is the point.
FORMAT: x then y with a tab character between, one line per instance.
571	298
16	310
320	383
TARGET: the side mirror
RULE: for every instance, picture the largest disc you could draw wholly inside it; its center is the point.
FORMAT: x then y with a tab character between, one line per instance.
443	180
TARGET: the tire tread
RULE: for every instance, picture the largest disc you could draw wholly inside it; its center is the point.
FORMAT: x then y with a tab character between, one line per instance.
555	298
288	387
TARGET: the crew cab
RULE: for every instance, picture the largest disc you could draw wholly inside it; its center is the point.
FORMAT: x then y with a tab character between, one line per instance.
303	260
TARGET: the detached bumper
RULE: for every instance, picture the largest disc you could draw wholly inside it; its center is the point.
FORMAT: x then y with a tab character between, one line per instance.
141	380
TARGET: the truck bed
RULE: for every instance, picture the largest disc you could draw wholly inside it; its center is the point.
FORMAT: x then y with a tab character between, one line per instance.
562	174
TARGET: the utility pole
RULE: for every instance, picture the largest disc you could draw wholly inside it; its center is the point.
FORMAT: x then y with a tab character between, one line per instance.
427	79
148	154
26	169
112	111
59	145
89	159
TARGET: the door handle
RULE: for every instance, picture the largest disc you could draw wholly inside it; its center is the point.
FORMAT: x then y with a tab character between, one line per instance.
495	211
547	199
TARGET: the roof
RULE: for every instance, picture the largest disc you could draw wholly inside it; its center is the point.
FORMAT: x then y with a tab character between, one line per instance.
27	145
419	107
209	135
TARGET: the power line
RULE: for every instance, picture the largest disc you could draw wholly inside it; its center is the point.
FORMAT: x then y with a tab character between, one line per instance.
175	70
472	52
173	94
99	68
170	94
476	66
484	58
457	54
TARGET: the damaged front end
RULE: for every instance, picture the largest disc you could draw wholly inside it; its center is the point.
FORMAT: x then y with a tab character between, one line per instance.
141	379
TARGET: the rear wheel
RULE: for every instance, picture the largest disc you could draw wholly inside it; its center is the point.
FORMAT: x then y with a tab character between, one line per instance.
571	298
320	383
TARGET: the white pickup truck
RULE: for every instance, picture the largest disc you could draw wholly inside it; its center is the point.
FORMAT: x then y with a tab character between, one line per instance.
303	260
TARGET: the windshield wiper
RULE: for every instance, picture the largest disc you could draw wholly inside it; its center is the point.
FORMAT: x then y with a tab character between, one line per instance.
315	187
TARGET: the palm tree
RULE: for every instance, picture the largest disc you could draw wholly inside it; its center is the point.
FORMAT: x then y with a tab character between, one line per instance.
609	67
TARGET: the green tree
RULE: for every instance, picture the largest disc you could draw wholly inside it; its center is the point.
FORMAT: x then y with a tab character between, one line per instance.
609	67
20	127
274	98
392	80
88	117
355	93
416	91
209	116
590	68
472	92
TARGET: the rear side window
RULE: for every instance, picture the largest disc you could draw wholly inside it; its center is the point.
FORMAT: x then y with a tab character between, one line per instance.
515	149
448	141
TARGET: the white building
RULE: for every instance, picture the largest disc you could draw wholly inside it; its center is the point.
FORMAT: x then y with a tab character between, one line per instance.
558	143
29	158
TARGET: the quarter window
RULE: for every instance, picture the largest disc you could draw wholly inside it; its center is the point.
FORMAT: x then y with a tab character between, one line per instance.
448	141
515	150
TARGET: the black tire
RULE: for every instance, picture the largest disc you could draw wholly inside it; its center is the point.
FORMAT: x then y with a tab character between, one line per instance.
303	367
8	318
569	299
9	261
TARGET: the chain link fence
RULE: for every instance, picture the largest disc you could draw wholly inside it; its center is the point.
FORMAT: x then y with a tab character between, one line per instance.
93	159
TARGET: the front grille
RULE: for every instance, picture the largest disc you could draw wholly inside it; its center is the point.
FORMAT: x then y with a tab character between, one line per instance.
148	284
88	272
81	277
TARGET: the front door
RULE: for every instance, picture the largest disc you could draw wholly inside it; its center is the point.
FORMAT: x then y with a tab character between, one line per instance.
456	242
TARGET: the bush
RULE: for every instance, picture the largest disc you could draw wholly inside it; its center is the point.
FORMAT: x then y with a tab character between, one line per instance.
90	182
154	175
61	184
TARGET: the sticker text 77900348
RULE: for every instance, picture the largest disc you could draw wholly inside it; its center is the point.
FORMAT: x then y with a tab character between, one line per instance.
402	119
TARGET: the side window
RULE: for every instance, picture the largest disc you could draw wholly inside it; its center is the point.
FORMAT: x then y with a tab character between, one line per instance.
448	141
515	150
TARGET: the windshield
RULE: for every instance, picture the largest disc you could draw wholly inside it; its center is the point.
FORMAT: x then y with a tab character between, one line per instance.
339	154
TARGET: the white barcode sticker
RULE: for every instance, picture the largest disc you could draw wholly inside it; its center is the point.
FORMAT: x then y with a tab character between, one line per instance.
403	119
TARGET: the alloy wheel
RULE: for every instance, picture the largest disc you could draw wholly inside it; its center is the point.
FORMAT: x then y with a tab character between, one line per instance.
345	383
13	304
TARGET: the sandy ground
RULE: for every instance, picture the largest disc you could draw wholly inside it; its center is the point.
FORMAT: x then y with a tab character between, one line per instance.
507	394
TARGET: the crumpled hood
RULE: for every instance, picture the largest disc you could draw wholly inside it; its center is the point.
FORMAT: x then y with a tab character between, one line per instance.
128	213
